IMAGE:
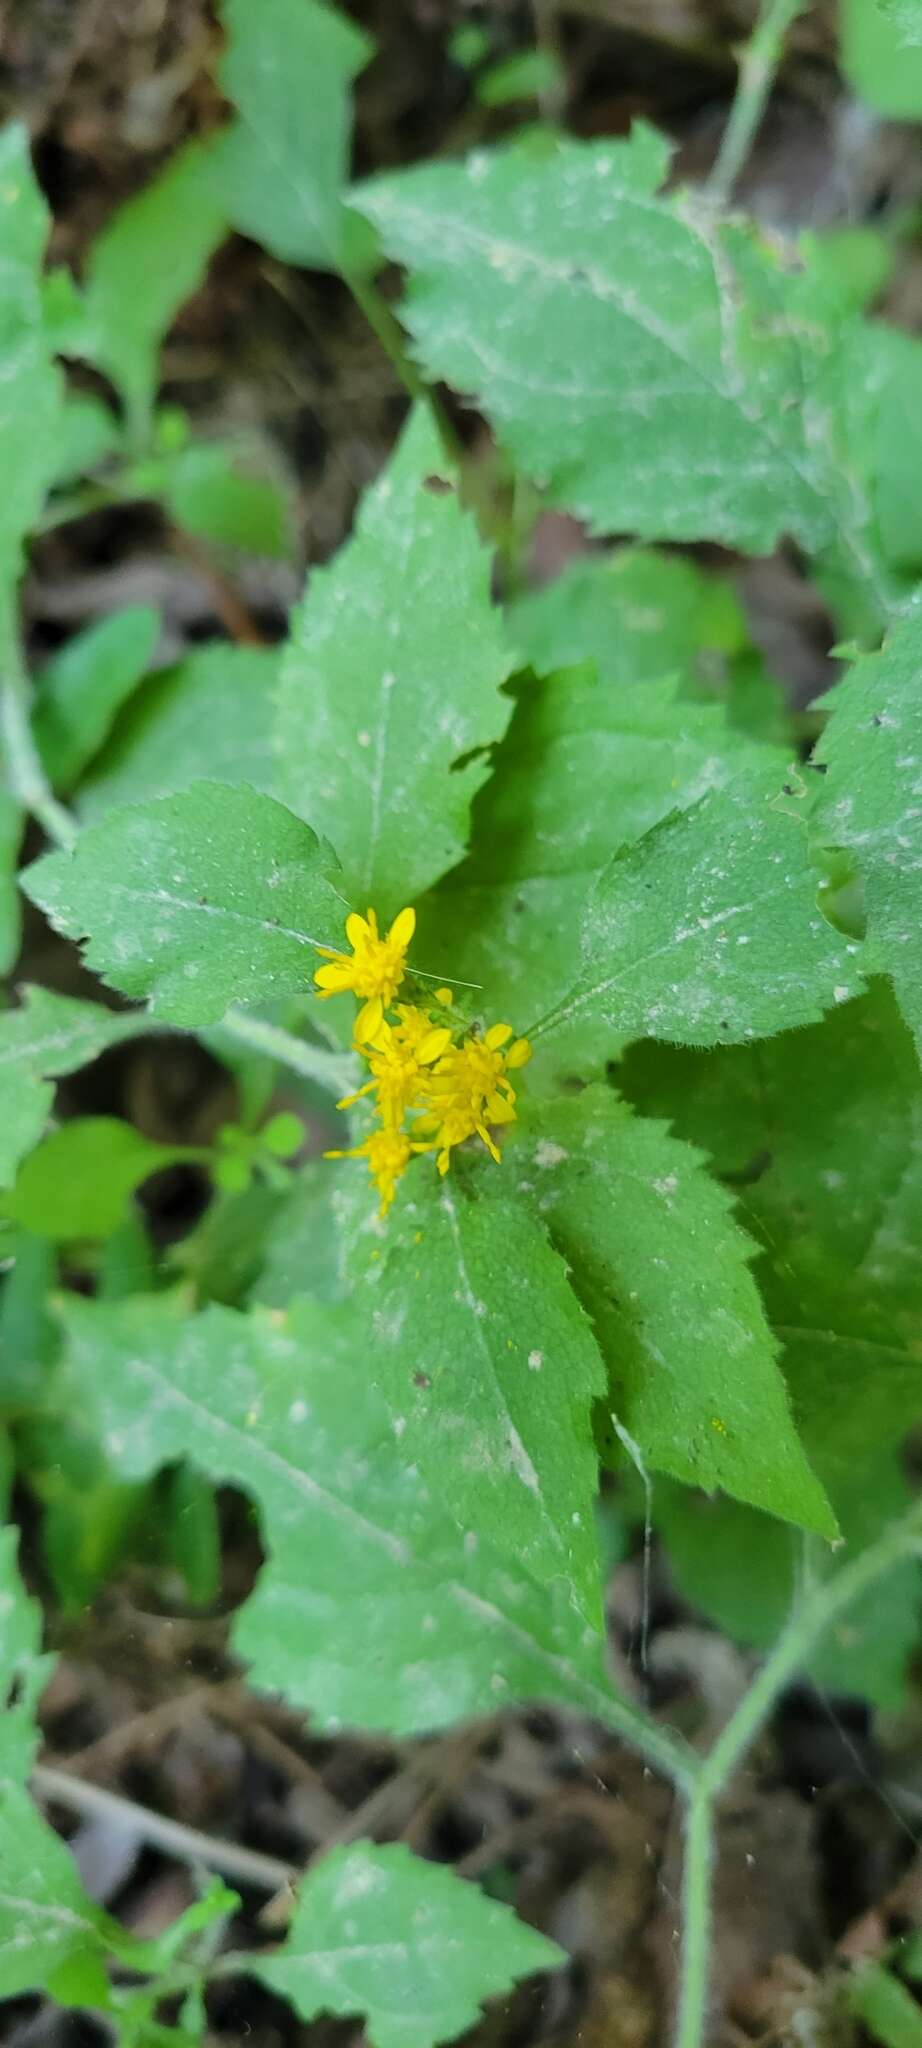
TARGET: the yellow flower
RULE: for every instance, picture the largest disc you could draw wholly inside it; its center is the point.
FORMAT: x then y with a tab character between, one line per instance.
375	970
398	1056
470	1089
388	1153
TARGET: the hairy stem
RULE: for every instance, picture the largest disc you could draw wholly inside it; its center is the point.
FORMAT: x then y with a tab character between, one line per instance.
758	64
335	1072
232	1859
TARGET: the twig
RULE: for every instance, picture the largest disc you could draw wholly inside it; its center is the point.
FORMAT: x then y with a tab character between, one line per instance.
758	63
232	1859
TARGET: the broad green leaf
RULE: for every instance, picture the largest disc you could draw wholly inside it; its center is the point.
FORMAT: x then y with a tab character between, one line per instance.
745	1573
391	678
870	803
23	1669
83	687
49	1036
149	259
215	896
78	1180
490	1370
694	1377
820	1134
282	166
878	55
372	1609
898	453
637	615
11	830
405	1944
585	768
28	1337
302	1249
707	930
52	1937
616	339
209	717
887	2010
29	382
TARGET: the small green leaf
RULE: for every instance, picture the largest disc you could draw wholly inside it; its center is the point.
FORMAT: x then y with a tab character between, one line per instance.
52	1937
23	1668
282	167
405	1944
198	901
88	433
49	1036
83	687
77	1181
28	1337
372	1609
885	2007
694	1377
869	803
391	678
529	75
149	259
208	718
211	490
490	1369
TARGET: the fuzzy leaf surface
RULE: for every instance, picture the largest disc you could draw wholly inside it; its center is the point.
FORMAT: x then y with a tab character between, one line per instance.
391	677
406	1944
215	896
208	718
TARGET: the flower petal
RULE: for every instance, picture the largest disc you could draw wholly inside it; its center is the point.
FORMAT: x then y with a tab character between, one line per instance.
369	1020
357	931
402	929
497	1036
519	1053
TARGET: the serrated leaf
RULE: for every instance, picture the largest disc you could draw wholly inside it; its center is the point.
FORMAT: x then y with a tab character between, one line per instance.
694	1377
207	718
606	333
23	1668
49	1036
707	930
391	678
78	1180
406	1944
490	1370
282	167
215	896
371	1610
870	803
82	688
638	615
145	264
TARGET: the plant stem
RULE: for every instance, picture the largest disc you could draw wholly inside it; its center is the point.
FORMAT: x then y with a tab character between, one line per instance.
27	777
697	1864
758	62
390	334
334	1072
232	1859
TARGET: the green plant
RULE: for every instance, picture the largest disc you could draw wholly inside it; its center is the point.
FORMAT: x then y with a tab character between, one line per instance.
645	1103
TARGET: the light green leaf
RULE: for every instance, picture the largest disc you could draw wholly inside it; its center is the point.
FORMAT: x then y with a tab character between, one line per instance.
906	16
30	387
490	1370
608	335
77	1181
372	1610
878	57
637	615
693	1363
24	1670
870	803
392	676
887	2010
820	1133
52	1937
405	1944
211	489
302	1249
529	75
282	167
49	1036
198	901
707	930
208	718
83	687
88	432
28	1337
148	260
11	830
898	454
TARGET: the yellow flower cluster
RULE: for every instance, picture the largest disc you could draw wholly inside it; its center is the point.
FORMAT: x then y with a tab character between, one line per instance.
430	1093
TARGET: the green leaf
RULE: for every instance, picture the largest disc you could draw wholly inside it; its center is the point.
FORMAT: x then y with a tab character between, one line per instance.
88	433
282	167
49	1036
30	386
617	340
198	901
52	1937
78	1180
11	830
707	930
820	1133
208	718
878	57
23	1668
211	490
83	687
885	2007
405	1944
637	615
869	803
28	1337
372	1610
693	1364
529	75
898	454
489	1369
149	259
302	1249
391	678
